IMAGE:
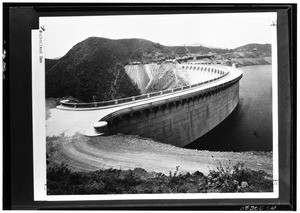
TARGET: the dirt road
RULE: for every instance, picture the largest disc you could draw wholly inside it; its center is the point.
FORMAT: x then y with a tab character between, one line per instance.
82	153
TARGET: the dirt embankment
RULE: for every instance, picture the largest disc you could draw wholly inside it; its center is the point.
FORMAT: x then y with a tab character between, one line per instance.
166	77
139	75
157	77
83	153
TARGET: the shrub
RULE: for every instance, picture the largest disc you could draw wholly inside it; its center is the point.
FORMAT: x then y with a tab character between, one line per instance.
61	180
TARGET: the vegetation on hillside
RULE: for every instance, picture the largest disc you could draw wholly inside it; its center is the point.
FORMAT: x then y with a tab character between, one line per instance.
49	63
93	70
62	181
184	50
260	50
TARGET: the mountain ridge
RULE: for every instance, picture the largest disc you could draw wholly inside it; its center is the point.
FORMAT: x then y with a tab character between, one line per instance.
93	69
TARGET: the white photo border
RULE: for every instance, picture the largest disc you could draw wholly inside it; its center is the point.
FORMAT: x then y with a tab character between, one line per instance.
39	136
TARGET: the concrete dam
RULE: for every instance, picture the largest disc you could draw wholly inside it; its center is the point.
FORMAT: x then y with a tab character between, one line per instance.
176	116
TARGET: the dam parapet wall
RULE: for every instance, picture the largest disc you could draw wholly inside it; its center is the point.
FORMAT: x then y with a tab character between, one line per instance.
200	75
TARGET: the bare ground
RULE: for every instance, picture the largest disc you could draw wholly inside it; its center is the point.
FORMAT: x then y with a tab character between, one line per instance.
82	153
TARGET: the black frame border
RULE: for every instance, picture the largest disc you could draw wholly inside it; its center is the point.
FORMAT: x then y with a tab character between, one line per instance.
17	136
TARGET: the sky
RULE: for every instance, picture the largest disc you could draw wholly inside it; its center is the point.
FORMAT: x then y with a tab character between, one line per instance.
227	30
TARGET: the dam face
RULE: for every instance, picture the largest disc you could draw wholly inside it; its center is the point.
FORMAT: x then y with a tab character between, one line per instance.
176	116
179	122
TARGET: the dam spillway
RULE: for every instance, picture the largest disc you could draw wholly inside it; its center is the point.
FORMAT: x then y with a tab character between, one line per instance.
177	116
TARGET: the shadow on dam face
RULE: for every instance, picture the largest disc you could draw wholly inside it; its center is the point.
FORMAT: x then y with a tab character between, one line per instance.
238	132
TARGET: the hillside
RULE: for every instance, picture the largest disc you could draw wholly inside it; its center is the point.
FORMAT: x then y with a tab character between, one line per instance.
261	50
184	50
94	69
166	77
49	63
248	51
156	77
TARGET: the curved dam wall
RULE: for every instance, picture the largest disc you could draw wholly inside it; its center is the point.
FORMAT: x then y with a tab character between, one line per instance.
178	121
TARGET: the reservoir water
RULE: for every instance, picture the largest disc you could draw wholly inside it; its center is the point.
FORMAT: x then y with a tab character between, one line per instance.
249	126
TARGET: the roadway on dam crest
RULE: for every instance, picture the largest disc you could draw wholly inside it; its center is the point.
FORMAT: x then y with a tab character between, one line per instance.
68	121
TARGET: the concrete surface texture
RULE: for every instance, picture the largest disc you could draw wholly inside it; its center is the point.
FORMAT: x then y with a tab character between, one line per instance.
178	123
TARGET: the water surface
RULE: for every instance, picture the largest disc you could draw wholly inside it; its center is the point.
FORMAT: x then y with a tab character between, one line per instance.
249	126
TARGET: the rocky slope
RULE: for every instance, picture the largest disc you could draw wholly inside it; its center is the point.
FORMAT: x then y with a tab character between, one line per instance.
165	77
157	77
141	74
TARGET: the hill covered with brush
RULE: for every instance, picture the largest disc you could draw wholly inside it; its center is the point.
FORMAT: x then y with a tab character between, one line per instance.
249	51
94	68
262	50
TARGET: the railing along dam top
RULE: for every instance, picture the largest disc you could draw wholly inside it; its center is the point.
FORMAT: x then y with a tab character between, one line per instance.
222	71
